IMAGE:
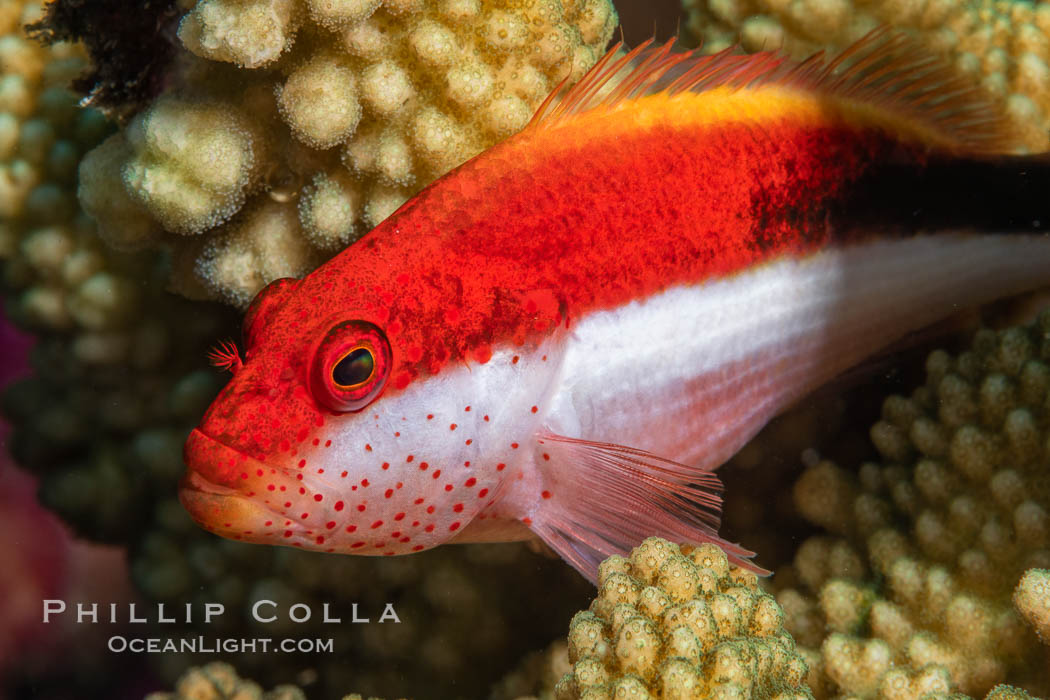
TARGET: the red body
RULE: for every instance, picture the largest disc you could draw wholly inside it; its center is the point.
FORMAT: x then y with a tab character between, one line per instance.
584	214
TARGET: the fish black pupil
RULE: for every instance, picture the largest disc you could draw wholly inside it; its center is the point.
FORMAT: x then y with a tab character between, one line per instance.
355	368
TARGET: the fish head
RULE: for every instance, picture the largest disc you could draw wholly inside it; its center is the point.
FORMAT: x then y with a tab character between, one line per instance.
338	433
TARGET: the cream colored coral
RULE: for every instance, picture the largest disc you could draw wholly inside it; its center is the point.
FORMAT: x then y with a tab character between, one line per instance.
1007	692
536	675
262	245
101	191
1032	599
122	359
336	13
679	622
60	277
192	163
1002	44
965	472
250	34
319	101
341	108
219	681
329	209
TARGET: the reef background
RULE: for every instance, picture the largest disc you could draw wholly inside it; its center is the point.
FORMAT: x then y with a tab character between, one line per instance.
101	422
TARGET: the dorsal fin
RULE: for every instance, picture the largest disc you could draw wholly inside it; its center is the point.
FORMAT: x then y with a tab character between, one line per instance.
886	76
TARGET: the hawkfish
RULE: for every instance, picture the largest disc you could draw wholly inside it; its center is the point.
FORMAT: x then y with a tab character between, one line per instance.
564	337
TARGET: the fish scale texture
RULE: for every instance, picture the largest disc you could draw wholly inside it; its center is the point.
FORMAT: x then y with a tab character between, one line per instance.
294	126
523	218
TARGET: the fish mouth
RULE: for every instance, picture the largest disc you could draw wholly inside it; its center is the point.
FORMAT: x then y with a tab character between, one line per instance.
215	467
219	487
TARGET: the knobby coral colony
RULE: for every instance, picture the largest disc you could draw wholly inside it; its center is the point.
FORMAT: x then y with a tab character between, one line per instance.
932	572
107	347
678	622
122	377
1002	44
917	570
292	127
674	622
219	681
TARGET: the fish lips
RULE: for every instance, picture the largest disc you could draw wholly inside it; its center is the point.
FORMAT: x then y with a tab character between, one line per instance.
219	486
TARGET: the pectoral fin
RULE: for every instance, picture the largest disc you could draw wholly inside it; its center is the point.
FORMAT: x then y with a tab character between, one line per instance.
605	499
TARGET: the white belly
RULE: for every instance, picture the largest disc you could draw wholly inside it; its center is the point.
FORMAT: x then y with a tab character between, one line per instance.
694	372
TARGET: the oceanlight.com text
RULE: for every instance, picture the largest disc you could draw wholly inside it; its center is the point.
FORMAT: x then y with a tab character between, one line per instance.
216	645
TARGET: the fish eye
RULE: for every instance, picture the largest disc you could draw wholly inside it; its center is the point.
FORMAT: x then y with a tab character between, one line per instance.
356	368
350	366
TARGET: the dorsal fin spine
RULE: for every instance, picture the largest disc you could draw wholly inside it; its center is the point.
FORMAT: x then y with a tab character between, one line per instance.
907	90
660	61
595	74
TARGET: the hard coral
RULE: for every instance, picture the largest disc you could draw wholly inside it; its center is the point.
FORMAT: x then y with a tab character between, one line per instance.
466	612
1002	44
118	361
219	681
191	162
57	275
300	124
923	551
536	675
679	622
1032	599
